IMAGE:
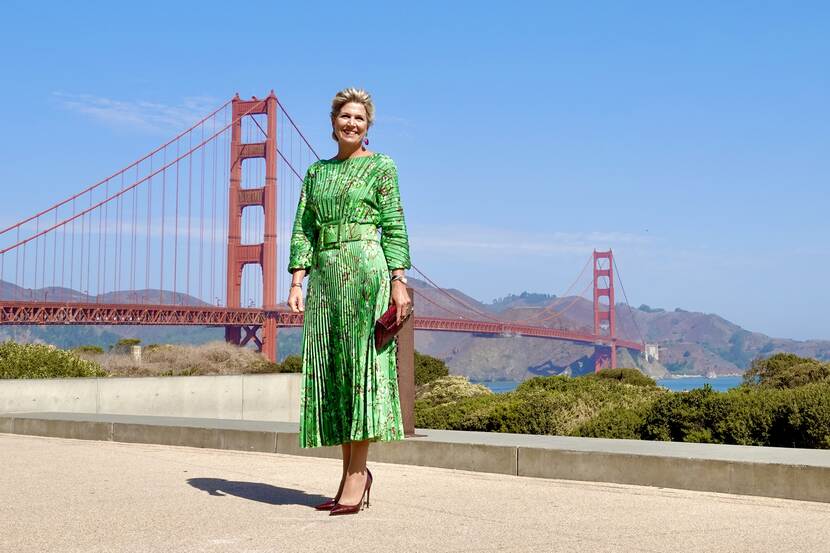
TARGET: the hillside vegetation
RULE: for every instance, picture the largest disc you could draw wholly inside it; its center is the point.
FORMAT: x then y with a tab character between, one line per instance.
215	358
784	401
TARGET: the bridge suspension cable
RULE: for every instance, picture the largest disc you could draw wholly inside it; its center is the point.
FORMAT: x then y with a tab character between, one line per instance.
536	317
438	305
561	312
116	196
89	250
453	298
627	303
97	243
117	173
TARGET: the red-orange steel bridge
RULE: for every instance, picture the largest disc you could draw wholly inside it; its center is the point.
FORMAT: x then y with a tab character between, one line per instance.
194	233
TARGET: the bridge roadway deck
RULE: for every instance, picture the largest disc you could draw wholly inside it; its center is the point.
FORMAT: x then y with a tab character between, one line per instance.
73	496
51	313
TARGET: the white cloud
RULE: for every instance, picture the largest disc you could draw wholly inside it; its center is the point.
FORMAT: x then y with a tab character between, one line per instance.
139	115
478	240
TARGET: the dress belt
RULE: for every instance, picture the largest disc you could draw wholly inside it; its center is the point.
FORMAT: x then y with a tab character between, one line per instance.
332	234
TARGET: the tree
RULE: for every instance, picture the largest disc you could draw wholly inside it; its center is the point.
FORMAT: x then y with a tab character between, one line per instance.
785	370
428	368
124	345
292	364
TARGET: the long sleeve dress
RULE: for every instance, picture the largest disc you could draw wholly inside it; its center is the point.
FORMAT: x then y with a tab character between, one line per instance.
349	390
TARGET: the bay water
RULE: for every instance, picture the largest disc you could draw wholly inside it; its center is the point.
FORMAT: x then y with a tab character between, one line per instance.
720	384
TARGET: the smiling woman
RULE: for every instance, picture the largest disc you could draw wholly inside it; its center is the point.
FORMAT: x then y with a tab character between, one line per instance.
352	113
350	391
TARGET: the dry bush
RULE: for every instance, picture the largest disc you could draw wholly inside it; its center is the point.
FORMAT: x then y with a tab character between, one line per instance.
213	358
447	389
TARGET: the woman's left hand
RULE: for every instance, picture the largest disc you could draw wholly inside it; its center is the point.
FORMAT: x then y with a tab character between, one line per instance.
400	297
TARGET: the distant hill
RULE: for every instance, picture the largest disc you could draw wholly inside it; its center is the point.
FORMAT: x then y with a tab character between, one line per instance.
698	343
525	299
69	336
515	357
9	291
690	343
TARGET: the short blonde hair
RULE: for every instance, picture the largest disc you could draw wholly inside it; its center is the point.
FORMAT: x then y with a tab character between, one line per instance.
356	95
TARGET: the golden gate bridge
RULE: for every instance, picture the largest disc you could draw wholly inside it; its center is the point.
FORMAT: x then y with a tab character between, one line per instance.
195	233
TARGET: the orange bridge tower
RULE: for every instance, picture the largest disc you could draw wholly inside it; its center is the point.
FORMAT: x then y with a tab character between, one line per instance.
605	320
264	254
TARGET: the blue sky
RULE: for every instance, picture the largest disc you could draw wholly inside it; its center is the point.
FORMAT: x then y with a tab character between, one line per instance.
693	139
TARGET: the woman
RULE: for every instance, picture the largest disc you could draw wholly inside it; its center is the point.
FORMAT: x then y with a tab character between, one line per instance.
350	391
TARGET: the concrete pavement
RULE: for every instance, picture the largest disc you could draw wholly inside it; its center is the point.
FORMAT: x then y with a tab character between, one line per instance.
73	496
787	473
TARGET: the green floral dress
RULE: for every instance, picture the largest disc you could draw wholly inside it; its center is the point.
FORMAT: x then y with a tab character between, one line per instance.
350	390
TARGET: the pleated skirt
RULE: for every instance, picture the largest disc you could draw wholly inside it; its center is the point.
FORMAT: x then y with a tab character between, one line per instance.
349	391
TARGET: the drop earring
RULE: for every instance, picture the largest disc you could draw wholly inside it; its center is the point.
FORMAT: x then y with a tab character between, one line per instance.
366	139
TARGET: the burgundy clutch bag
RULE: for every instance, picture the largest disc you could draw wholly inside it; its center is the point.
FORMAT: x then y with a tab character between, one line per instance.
385	327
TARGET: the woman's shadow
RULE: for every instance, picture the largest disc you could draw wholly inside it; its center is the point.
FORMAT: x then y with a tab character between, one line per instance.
256	491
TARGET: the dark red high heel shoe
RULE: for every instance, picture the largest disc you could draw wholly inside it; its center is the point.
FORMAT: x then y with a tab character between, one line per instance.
326	505
340	509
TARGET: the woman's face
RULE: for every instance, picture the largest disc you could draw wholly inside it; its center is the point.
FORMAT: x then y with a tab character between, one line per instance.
351	124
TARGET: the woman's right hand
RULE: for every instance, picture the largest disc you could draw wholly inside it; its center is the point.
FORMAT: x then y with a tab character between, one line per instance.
295	293
295	299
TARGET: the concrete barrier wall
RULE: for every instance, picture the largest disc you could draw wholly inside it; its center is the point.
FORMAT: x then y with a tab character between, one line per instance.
801	474
74	395
268	397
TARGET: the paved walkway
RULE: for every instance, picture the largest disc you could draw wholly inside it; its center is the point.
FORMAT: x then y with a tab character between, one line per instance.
69	496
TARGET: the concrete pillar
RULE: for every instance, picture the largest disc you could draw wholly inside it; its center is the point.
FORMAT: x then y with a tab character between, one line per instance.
406	370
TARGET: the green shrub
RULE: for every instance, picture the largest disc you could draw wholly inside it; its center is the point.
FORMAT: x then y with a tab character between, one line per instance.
449	389
264	367
785	370
549	384
43	361
291	364
428	368
124	345
92	350
541	405
773	411
615	422
788	417
679	417
807	411
493	413
627	376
